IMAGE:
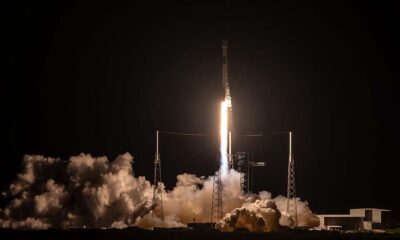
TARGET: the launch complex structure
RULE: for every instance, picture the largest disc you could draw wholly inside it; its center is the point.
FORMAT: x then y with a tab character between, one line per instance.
240	161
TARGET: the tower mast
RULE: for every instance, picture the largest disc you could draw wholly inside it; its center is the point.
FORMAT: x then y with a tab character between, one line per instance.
157	190
216	207
291	207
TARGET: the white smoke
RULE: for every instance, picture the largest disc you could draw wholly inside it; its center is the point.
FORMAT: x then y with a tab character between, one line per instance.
95	192
91	192
28	223
305	217
261	215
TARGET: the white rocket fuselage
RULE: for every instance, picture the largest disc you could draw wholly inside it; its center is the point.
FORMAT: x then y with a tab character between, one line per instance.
225	80
228	102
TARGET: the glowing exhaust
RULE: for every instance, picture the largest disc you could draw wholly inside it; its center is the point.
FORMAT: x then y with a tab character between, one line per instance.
224	138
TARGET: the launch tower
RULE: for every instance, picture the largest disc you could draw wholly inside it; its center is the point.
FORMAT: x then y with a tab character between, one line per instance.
157	190
291	207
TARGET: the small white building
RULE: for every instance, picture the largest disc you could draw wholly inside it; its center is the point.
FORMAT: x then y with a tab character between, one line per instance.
373	218
340	222
358	219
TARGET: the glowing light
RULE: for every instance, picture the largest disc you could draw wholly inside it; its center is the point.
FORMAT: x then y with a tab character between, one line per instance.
224	138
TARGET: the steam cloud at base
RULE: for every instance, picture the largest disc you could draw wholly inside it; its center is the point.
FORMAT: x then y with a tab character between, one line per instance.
95	192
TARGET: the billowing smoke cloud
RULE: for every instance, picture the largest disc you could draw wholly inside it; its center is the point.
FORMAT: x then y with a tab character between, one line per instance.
85	191
261	216
95	192
305	217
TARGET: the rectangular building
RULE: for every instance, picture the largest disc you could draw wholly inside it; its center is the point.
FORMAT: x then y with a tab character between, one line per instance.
340	222
358	219
374	218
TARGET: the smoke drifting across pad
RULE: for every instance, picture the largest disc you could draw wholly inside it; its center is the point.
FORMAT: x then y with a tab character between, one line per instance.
94	192
85	191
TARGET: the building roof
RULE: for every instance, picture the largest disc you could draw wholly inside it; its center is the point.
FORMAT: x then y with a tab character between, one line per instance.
376	209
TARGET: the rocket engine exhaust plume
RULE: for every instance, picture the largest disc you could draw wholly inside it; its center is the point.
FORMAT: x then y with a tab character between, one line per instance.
224	138
95	192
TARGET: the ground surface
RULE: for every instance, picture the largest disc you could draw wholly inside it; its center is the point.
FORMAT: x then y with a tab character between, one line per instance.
134	233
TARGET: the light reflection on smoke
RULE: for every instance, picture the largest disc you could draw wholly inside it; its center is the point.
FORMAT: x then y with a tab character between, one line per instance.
95	192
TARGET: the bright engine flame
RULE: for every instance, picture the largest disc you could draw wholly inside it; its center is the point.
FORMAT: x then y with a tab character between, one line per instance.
224	138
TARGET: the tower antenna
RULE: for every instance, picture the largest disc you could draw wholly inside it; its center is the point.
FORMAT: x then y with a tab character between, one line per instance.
291	207
216	207
157	190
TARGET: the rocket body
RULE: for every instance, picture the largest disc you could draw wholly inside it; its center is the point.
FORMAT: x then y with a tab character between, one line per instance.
226	115
225	79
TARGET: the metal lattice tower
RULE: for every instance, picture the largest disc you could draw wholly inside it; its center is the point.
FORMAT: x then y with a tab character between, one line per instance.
216	207
157	190
291	186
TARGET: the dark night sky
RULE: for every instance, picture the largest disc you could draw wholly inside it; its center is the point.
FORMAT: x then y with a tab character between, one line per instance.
101	78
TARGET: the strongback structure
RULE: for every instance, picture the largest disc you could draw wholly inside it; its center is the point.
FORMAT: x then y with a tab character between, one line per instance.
242	160
157	190
244	165
291	186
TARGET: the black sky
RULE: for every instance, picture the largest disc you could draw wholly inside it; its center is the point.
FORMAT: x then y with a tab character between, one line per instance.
101	78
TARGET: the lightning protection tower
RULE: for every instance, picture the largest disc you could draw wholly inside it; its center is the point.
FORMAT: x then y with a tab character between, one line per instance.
157	190
216	207
291	207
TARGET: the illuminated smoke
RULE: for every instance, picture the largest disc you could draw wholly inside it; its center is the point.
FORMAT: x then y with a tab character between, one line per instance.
305	217
95	192
224	138
84	191
261	215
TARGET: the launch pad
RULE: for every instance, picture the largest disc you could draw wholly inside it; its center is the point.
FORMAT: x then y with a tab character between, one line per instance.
239	161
